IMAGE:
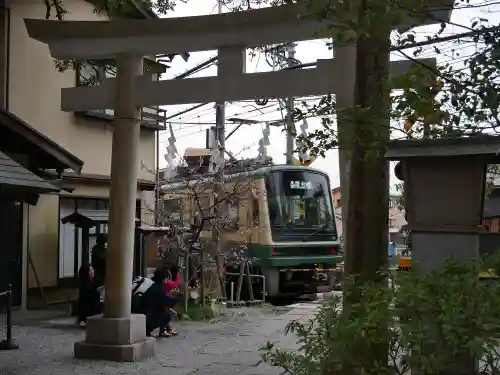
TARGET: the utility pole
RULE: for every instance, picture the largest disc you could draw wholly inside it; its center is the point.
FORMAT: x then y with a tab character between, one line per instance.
220	120
220	117
157	179
290	126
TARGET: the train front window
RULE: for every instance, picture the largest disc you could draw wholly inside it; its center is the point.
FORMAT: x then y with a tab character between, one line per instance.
300	199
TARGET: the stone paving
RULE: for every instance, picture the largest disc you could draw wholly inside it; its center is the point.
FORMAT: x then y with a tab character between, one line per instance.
229	346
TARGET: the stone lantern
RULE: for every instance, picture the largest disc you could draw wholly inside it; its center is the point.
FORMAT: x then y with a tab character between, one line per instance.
444	184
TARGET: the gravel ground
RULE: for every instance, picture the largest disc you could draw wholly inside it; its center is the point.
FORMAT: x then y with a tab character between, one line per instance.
228	346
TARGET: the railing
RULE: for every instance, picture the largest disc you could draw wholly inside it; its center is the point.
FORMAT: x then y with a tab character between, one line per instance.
234	302
152	117
8	343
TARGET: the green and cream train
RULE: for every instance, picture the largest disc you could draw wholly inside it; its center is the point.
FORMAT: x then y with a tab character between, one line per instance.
281	215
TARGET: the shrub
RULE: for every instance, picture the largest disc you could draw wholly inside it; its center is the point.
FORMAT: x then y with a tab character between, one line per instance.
439	323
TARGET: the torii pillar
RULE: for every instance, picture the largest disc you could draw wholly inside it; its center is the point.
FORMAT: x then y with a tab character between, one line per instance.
118	335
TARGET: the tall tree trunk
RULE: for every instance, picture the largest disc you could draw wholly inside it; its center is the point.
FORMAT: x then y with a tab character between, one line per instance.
367	222
367	230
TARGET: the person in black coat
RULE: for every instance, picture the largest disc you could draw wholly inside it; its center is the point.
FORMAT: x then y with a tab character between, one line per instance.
153	303
89	298
99	258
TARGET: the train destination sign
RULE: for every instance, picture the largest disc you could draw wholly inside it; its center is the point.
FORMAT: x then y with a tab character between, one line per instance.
302	185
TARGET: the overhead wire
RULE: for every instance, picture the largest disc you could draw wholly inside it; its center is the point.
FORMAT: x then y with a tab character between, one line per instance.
275	107
206	123
200	131
209	111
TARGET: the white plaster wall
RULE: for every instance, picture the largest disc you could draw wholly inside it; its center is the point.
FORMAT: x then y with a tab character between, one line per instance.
35	96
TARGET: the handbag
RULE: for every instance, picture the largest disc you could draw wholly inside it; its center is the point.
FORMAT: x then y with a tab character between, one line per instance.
136	298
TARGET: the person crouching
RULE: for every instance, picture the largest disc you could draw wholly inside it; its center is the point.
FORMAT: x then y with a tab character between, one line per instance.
154	304
89	298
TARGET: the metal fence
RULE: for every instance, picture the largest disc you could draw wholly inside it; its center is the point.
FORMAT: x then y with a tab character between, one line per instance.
8	343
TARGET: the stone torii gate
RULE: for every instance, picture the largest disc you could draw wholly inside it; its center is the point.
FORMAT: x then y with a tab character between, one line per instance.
118	334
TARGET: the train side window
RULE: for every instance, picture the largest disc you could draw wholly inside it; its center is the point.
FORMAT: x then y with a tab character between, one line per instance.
255	212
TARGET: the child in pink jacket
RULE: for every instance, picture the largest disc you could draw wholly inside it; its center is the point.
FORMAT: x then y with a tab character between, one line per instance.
170	284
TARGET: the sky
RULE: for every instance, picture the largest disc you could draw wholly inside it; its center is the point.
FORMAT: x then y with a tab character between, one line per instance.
189	129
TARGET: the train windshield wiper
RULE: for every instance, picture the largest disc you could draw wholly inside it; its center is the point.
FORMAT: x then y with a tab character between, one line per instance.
321	228
284	225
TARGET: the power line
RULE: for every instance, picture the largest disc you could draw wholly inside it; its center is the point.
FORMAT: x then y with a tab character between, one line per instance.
416	44
187	73
258	109
203	65
312	64
186	111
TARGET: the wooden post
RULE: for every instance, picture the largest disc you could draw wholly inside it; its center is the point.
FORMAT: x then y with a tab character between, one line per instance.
249	281
186	279
202	276
221	276
240	281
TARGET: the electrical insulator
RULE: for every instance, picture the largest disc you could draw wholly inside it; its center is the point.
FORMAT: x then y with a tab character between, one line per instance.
265	135
264	141
262	148
303	156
